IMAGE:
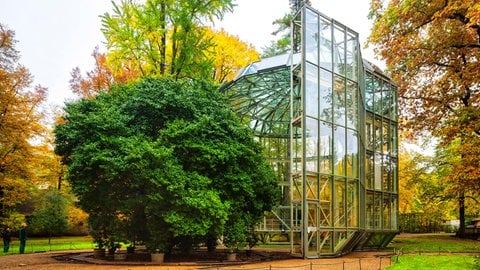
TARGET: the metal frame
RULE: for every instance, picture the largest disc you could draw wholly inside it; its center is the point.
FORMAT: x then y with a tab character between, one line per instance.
330	200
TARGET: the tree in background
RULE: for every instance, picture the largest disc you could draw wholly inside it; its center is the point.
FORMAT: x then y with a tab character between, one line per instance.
51	213
432	51
227	53
424	190
166	158
20	125
283	44
162	37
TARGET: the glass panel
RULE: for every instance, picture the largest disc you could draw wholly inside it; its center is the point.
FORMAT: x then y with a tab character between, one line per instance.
378	135
340	240
311	37
387	174
369	91
325	144
369	171
326	102
339	149
369	207
352	104
339	104
311	90
312	186
385	137
378	171
377	219
352	203
387	99
311	144
393	115
370	132
312	229
352	153
394	175
387	212
326	240
339	207
325	201
339	50
326	44
394	212
352	53
377	92
393	139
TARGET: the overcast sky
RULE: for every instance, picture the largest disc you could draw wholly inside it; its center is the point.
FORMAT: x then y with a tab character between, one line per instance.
55	36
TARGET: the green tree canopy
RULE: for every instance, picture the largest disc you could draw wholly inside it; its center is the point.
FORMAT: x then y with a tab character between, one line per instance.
165	159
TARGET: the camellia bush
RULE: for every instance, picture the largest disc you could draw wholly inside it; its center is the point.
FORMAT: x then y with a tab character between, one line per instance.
164	162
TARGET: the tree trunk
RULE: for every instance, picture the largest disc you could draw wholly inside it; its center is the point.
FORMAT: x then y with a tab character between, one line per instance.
461	204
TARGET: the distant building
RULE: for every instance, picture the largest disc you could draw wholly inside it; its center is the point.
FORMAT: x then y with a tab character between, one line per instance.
328	121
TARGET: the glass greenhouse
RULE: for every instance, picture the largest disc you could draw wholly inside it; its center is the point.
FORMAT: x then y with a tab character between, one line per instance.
328	121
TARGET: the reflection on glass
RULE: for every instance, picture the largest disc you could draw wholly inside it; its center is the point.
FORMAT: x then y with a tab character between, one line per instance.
311	37
339	50
311	90
339	207
339	103
339	148
326	102
352	56
352	153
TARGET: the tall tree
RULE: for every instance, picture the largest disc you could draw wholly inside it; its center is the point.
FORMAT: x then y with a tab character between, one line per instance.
100	78
51	214
162	37
282	44
20	124
168	159
432	50
227	53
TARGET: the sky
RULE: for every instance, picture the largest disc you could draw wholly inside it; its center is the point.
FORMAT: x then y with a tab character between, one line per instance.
55	36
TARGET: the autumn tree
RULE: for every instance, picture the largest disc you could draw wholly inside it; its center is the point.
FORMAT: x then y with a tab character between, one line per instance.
423	187
227	53
20	125
432	51
162	37
100	78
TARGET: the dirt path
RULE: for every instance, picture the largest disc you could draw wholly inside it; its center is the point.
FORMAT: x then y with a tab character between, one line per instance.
352	261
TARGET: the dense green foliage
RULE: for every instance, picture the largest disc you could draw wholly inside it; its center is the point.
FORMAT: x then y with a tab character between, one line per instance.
164	162
51	214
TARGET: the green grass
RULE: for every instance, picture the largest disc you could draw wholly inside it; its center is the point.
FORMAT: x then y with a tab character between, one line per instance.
442	242
57	243
437	262
432	251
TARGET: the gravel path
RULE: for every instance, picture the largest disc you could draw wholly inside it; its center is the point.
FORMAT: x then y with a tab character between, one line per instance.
82	260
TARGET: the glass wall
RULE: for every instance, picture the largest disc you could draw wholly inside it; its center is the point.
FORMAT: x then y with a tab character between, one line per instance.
328	122
326	144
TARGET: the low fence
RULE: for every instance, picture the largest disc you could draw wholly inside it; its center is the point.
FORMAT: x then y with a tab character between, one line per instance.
373	263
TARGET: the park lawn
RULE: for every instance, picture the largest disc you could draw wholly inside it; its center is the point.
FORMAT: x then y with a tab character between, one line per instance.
432	251
434	261
439	242
57	243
